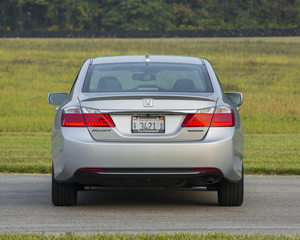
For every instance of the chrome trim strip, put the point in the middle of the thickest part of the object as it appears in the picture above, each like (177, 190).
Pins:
(149, 112)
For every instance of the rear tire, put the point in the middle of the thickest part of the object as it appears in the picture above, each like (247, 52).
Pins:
(63, 194)
(231, 194)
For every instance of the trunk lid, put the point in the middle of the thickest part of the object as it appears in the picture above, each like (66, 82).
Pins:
(147, 117)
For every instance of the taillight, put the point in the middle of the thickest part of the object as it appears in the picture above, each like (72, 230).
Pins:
(73, 117)
(197, 120)
(223, 117)
(98, 120)
(201, 118)
(94, 118)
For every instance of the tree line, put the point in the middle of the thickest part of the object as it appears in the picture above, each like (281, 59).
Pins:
(109, 15)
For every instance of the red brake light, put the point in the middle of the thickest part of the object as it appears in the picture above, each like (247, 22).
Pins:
(99, 120)
(223, 120)
(73, 117)
(223, 117)
(72, 120)
(197, 120)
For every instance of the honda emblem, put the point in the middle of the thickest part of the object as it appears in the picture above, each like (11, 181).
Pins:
(148, 102)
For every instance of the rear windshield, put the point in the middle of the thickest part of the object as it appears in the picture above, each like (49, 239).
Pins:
(154, 77)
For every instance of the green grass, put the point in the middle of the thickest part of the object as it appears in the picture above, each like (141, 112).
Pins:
(25, 153)
(272, 154)
(143, 236)
(265, 70)
(264, 154)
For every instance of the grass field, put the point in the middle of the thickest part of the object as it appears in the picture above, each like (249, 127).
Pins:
(144, 236)
(265, 70)
(264, 154)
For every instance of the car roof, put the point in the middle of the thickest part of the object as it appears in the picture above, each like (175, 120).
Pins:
(142, 58)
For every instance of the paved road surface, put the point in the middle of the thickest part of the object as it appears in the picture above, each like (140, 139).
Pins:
(272, 205)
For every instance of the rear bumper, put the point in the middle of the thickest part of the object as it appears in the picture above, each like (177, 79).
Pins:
(74, 148)
(150, 177)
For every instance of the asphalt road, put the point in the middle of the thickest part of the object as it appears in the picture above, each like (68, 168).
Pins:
(272, 205)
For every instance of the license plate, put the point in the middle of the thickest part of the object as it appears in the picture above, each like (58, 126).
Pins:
(147, 124)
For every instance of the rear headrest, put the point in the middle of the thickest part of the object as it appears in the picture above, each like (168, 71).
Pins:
(184, 84)
(109, 83)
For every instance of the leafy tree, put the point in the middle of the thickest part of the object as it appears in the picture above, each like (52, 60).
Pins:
(148, 14)
(136, 14)
(79, 14)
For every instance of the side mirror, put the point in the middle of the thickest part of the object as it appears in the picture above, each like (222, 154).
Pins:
(57, 98)
(235, 98)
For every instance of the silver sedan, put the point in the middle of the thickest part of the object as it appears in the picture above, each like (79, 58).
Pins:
(151, 121)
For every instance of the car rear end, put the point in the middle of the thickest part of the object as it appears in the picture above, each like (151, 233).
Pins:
(158, 121)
